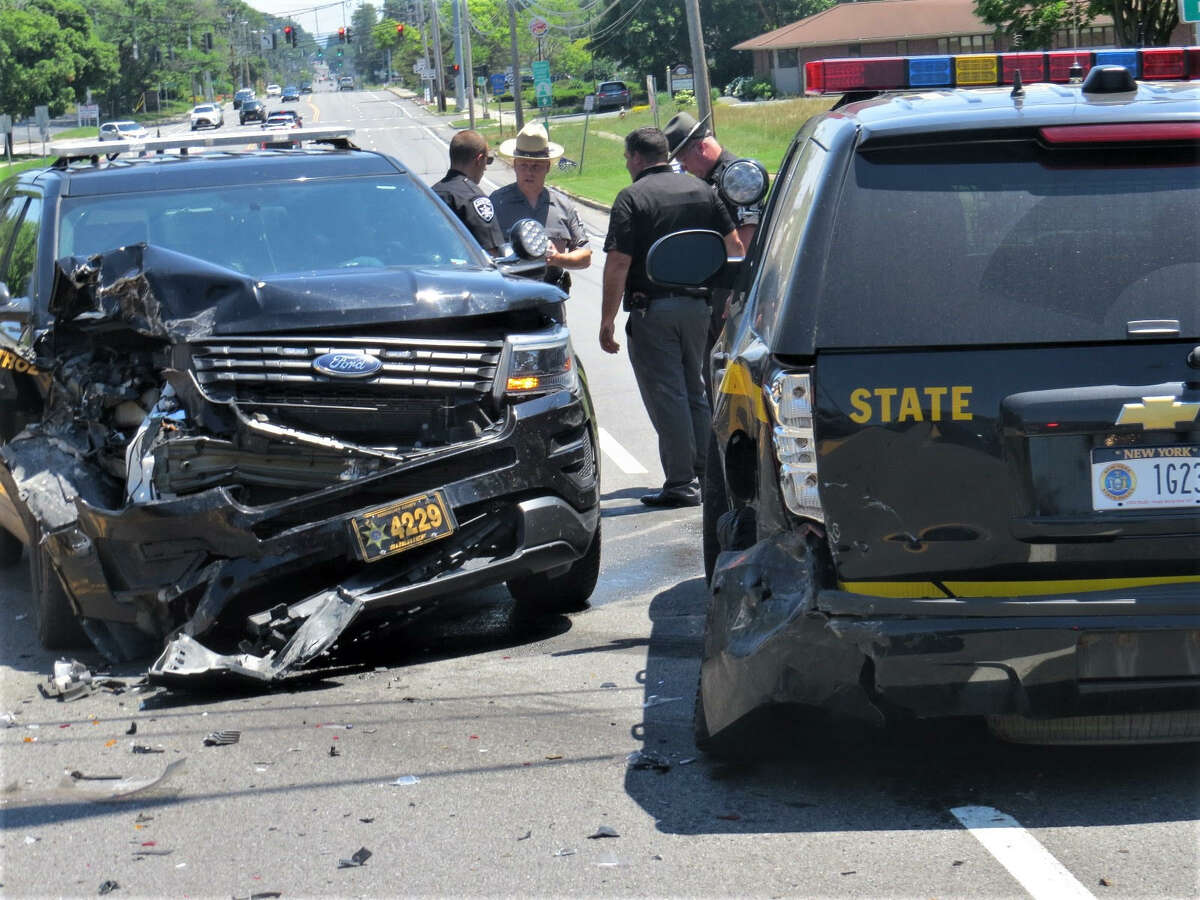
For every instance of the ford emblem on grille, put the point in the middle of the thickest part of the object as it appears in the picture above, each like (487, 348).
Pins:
(347, 365)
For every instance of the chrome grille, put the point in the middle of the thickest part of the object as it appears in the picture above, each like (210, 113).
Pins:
(274, 369)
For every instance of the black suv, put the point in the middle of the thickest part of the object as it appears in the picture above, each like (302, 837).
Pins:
(260, 395)
(252, 111)
(955, 467)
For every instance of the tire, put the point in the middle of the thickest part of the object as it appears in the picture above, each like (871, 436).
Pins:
(542, 594)
(714, 504)
(10, 549)
(57, 626)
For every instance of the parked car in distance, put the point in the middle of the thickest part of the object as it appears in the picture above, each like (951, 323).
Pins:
(291, 92)
(122, 131)
(306, 88)
(274, 90)
(346, 83)
(253, 111)
(612, 95)
(283, 118)
(242, 96)
(207, 115)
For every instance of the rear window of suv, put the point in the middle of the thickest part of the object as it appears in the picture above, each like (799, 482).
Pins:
(1009, 243)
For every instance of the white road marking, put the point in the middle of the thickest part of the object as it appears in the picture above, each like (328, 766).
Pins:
(1043, 876)
(487, 184)
(623, 458)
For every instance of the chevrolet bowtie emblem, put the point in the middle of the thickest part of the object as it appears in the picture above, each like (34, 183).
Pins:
(1157, 412)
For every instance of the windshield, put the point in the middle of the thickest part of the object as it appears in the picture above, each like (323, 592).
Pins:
(274, 229)
(1011, 243)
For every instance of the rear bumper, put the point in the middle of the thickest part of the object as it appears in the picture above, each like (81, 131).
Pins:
(776, 638)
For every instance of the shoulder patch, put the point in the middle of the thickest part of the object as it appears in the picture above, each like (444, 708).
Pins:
(483, 206)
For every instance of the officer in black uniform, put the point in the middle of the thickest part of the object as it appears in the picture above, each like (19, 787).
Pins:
(469, 158)
(666, 327)
(693, 146)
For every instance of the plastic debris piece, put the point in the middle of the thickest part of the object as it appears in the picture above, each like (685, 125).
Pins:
(79, 776)
(333, 751)
(688, 761)
(111, 743)
(142, 817)
(222, 738)
(1104, 882)
(132, 729)
(151, 851)
(31, 839)
(554, 756)
(655, 700)
(361, 855)
(8, 720)
(70, 681)
(526, 836)
(851, 872)
(604, 831)
(367, 821)
(115, 788)
(405, 780)
(65, 725)
(609, 686)
(564, 851)
(610, 861)
(107, 887)
(28, 740)
(142, 748)
(647, 759)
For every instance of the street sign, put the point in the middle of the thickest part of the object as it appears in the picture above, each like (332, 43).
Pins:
(499, 82)
(87, 112)
(589, 102)
(541, 83)
(1189, 10)
(5, 124)
(41, 115)
(538, 27)
(681, 78)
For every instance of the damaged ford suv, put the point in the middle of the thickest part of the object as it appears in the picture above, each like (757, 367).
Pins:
(251, 398)
(955, 467)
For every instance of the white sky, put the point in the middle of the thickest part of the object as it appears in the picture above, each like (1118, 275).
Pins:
(328, 18)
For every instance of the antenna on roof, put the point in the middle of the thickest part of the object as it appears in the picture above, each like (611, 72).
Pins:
(1018, 90)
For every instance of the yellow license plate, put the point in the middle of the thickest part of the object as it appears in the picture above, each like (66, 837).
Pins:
(401, 526)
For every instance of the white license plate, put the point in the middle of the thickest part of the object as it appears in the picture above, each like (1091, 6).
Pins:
(1146, 477)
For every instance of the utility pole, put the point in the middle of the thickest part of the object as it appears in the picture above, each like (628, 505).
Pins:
(439, 70)
(699, 65)
(459, 99)
(468, 64)
(516, 65)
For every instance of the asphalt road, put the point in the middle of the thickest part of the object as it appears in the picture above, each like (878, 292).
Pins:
(510, 742)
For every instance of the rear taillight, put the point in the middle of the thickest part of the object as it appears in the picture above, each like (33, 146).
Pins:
(789, 397)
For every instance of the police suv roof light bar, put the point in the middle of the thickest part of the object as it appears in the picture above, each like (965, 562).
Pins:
(85, 148)
(892, 73)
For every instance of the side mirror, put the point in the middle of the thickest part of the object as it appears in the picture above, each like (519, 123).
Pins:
(744, 182)
(529, 243)
(19, 310)
(688, 258)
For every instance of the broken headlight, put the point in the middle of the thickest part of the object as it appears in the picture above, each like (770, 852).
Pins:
(789, 397)
(537, 363)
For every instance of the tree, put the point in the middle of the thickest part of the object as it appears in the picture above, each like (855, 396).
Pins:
(49, 56)
(1036, 21)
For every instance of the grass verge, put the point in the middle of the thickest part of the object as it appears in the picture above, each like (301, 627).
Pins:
(760, 130)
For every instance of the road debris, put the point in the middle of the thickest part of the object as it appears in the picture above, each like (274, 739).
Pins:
(115, 788)
(564, 851)
(604, 831)
(648, 759)
(222, 738)
(526, 836)
(142, 748)
(361, 855)
(1104, 882)
(405, 780)
(609, 686)
(70, 681)
(107, 887)
(132, 729)
(333, 751)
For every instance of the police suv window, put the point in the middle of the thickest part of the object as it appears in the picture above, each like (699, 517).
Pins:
(788, 220)
(1011, 242)
(20, 220)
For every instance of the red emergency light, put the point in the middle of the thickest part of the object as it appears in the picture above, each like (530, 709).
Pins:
(888, 73)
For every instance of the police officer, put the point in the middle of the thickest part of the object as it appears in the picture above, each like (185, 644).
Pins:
(532, 152)
(693, 146)
(469, 158)
(666, 327)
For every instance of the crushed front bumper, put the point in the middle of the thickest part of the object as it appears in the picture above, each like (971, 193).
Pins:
(775, 637)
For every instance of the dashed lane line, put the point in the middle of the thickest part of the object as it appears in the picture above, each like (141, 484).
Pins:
(625, 460)
(1043, 876)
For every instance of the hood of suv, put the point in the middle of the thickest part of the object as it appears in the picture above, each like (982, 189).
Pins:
(165, 294)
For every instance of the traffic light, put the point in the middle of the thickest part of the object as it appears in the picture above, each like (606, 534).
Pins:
(348, 37)
(455, 68)
(341, 36)
(289, 35)
(339, 51)
(207, 41)
(399, 30)
(274, 41)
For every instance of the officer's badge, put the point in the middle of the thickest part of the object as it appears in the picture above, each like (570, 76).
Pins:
(483, 206)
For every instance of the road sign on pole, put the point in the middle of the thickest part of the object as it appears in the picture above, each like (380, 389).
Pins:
(541, 83)
(1189, 10)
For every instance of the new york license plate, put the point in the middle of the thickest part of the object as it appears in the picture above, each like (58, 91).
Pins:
(411, 522)
(1146, 477)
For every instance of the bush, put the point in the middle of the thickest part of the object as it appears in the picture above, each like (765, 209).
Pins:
(684, 99)
(760, 89)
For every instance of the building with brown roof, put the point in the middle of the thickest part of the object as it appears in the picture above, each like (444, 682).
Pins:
(894, 28)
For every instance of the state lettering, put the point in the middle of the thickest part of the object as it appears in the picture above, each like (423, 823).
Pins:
(933, 403)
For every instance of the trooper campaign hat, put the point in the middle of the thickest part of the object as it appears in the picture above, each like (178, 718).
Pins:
(681, 129)
(531, 142)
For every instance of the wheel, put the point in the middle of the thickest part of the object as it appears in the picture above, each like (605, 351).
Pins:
(57, 626)
(569, 592)
(714, 504)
